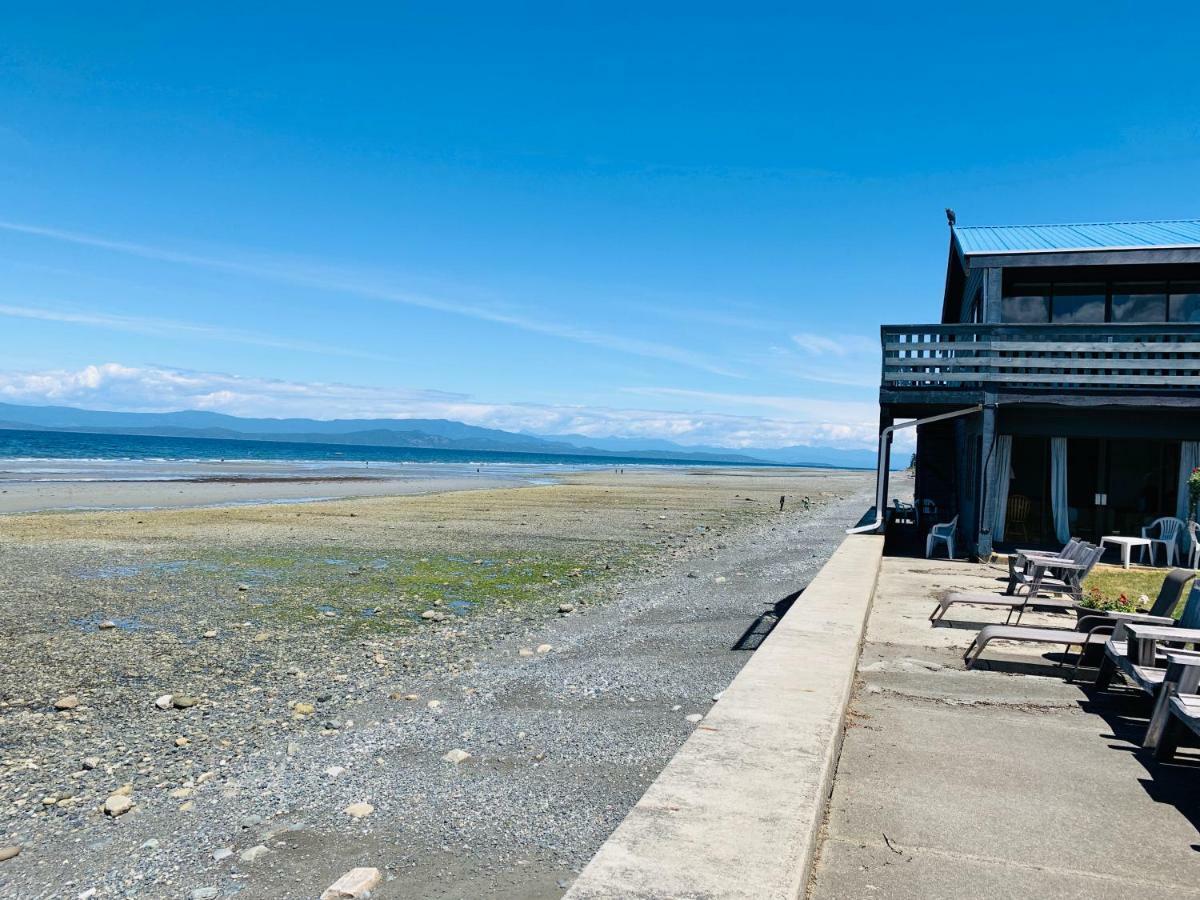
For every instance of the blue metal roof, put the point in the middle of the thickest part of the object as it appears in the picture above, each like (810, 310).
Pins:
(988, 239)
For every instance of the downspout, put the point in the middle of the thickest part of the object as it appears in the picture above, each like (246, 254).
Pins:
(884, 460)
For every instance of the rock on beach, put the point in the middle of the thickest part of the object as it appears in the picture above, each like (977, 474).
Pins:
(355, 884)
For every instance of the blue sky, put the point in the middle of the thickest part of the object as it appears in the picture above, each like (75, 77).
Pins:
(683, 221)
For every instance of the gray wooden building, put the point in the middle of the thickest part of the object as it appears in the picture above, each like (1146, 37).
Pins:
(1080, 346)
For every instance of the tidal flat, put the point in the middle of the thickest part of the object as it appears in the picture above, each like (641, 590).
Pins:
(245, 675)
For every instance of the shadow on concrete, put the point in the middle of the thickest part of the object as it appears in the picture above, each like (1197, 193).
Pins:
(1127, 714)
(765, 622)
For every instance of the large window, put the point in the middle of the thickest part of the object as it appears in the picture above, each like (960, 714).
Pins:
(1185, 301)
(1089, 295)
(1139, 302)
(1027, 303)
(1073, 304)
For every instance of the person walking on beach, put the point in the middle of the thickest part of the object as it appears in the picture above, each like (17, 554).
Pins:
(781, 499)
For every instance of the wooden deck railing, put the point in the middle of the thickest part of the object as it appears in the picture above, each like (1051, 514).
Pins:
(1153, 357)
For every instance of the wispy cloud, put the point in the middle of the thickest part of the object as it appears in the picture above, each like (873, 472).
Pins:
(150, 325)
(342, 281)
(158, 388)
(834, 344)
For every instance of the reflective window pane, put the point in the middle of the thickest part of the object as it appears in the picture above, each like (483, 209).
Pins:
(1139, 302)
(1025, 304)
(1078, 303)
(1185, 302)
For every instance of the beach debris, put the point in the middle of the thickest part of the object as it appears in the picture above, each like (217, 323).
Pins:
(355, 884)
(182, 701)
(434, 704)
(433, 615)
(303, 709)
(181, 742)
(694, 718)
(151, 844)
(205, 893)
(565, 608)
(544, 648)
(359, 810)
(456, 756)
(335, 771)
(525, 651)
(107, 625)
(693, 574)
(9, 853)
(242, 586)
(166, 701)
(70, 701)
(210, 634)
(254, 853)
(118, 804)
(222, 853)
(91, 762)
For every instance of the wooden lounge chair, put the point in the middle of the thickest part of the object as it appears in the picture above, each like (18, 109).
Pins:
(1091, 630)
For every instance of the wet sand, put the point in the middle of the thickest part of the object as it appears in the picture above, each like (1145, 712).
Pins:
(216, 491)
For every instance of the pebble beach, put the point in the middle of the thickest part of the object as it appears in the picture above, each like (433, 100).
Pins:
(465, 689)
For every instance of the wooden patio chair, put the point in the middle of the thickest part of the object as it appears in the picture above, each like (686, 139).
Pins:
(1017, 519)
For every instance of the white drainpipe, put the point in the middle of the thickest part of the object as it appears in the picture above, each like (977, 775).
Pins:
(884, 460)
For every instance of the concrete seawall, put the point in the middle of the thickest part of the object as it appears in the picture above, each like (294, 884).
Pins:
(736, 812)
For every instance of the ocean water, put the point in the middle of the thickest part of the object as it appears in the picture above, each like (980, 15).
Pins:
(75, 456)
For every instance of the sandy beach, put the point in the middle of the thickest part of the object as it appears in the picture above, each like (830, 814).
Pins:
(275, 693)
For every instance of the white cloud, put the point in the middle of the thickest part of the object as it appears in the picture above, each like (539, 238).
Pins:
(170, 327)
(114, 386)
(337, 280)
(835, 344)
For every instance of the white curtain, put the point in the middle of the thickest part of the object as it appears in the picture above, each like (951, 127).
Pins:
(1189, 458)
(1003, 469)
(1058, 489)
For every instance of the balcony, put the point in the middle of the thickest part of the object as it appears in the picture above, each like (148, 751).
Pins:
(951, 363)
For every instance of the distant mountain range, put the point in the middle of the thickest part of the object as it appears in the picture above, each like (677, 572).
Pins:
(426, 433)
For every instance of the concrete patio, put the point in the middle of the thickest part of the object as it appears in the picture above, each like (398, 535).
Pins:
(1005, 781)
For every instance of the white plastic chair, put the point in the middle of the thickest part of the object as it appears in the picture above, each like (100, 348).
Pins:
(1194, 555)
(943, 533)
(1169, 530)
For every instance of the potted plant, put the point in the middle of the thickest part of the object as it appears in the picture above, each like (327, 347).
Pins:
(1094, 602)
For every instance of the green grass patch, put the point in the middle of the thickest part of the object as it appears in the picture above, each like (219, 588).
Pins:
(371, 592)
(1133, 583)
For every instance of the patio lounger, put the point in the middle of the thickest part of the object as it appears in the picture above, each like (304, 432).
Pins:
(1090, 630)
(1014, 604)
